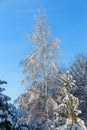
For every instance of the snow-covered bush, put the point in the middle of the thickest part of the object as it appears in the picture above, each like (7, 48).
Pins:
(32, 109)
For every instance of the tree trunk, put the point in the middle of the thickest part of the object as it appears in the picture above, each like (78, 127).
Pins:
(45, 82)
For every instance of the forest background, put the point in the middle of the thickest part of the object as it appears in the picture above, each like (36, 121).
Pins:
(68, 22)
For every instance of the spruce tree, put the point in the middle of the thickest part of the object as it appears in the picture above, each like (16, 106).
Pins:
(8, 112)
(78, 70)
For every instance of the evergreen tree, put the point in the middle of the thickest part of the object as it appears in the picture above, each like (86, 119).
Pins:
(8, 112)
(78, 70)
(67, 113)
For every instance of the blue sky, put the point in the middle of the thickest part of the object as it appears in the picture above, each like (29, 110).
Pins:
(66, 18)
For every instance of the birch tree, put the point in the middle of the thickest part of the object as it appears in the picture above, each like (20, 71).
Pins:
(42, 62)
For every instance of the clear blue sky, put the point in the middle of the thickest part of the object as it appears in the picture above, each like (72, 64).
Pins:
(68, 22)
